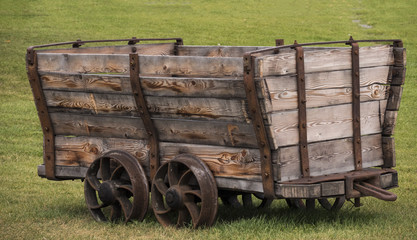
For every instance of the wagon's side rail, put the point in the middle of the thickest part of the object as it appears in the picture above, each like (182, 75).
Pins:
(398, 76)
(40, 100)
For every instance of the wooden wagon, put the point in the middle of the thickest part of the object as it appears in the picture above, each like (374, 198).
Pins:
(190, 124)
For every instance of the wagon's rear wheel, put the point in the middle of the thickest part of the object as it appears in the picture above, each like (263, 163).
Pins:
(116, 188)
(332, 204)
(231, 199)
(184, 192)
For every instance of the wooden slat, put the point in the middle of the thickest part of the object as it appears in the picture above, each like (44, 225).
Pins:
(388, 147)
(324, 60)
(286, 99)
(149, 65)
(215, 51)
(390, 121)
(220, 133)
(298, 190)
(238, 163)
(326, 123)
(144, 49)
(166, 107)
(329, 157)
(394, 98)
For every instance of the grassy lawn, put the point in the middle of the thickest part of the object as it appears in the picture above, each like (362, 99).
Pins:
(34, 208)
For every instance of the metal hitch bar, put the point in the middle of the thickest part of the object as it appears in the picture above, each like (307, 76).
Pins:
(367, 184)
(368, 189)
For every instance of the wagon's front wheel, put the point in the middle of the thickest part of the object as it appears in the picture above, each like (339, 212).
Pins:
(116, 188)
(331, 204)
(184, 192)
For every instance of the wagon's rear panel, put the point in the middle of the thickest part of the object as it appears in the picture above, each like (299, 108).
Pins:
(328, 95)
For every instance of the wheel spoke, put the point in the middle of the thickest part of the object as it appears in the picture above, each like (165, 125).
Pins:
(126, 206)
(182, 217)
(116, 212)
(194, 211)
(96, 206)
(173, 174)
(162, 212)
(196, 193)
(126, 187)
(105, 168)
(161, 186)
(117, 172)
(93, 182)
(185, 177)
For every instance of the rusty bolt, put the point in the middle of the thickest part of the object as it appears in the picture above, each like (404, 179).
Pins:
(134, 49)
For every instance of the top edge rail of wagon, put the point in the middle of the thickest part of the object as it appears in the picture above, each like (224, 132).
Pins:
(396, 42)
(131, 41)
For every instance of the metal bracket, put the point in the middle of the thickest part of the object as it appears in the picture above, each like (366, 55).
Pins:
(258, 125)
(44, 117)
(367, 184)
(144, 113)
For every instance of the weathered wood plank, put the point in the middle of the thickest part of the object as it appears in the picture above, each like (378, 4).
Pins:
(149, 65)
(234, 110)
(326, 123)
(400, 56)
(390, 121)
(332, 188)
(152, 86)
(324, 60)
(398, 75)
(329, 157)
(298, 190)
(224, 162)
(82, 151)
(388, 148)
(394, 98)
(219, 133)
(286, 99)
(240, 185)
(216, 51)
(241, 163)
(143, 49)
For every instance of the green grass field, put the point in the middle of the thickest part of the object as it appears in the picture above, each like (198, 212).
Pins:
(35, 208)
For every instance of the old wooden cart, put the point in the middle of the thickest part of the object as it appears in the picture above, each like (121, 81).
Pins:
(300, 122)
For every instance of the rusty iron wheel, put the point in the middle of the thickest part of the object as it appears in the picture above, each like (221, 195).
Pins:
(332, 204)
(116, 188)
(298, 203)
(184, 193)
(231, 199)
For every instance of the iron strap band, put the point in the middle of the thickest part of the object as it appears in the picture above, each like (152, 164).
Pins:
(144, 113)
(302, 112)
(44, 117)
(259, 126)
(356, 111)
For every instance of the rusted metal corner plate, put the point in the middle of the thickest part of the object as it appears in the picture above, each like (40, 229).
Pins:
(302, 112)
(43, 114)
(259, 126)
(144, 113)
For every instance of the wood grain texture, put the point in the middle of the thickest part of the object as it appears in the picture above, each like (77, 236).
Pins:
(298, 190)
(329, 157)
(144, 49)
(216, 51)
(389, 123)
(326, 123)
(233, 110)
(394, 99)
(149, 65)
(324, 60)
(219, 133)
(388, 147)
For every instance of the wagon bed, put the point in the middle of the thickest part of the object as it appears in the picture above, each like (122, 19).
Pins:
(297, 121)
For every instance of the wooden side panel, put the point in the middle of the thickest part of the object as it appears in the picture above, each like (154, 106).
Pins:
(233, 110)
(326, 123)
(321, 61)
(219, 133)
(329, 157)
(143, 49)
(215, 51)
(238, 163)
(324, 88)
(149, 65)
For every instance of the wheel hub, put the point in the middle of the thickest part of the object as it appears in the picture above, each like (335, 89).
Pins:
(107, 192)
(173, 198)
